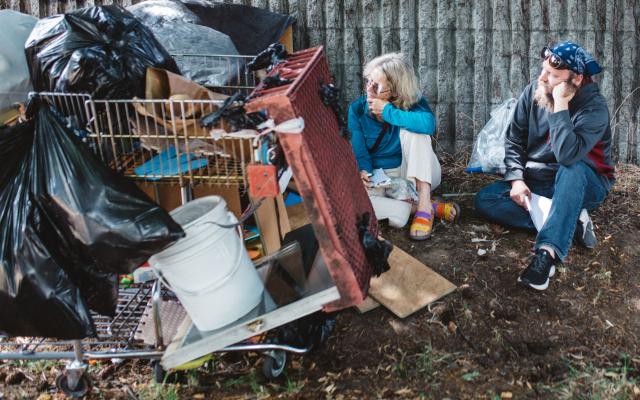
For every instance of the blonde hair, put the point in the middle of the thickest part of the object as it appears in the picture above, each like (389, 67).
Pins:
(400, 75)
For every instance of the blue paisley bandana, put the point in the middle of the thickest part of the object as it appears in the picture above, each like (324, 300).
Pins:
(577, 58)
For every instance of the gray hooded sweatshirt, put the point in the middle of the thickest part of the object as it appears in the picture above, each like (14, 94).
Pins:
(538, 141)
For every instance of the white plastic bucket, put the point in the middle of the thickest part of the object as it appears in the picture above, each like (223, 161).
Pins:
(209, 269)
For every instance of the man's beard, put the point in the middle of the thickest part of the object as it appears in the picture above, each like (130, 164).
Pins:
(543, 98)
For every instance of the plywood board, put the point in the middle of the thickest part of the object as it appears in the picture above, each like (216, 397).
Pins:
(297, 216)
(169, 196)
(367, 305)
(409, 285)
(265, 217)
(230, 193)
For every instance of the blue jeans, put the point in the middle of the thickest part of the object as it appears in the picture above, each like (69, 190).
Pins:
(576, 187)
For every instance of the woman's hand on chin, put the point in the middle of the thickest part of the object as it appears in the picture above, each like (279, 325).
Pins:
(376, 106)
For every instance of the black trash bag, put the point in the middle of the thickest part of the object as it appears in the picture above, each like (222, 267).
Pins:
(251, 29)
(310, 332)
(376, 250)
(102, 51)
(99, 289)
(37, 298)
(106, 221)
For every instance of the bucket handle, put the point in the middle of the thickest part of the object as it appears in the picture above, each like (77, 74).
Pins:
(237, 224)
(212, 285)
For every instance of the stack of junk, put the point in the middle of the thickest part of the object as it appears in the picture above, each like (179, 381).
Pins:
(125, 122)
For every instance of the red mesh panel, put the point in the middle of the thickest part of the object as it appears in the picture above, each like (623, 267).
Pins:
(325, 170)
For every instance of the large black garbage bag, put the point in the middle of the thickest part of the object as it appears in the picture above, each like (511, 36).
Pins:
(105, 220)
(252, 29)
(98, 288)
(102, 51)
(37, 297)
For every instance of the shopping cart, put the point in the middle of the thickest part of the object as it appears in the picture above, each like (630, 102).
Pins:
(127, 140)
(158, 141)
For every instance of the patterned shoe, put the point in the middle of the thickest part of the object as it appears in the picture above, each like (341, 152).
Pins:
(421, 226)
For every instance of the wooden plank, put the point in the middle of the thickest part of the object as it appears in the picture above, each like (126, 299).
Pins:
(409, 285)
(297, 216)
(169, 196)
(267, 223)
(367, 305)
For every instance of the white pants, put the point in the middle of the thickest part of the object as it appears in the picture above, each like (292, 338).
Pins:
(419, 162)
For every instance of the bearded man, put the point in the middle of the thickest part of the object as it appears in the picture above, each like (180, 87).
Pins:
(558, 146)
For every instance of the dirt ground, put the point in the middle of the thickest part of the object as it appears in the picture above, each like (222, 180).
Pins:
(490, 339)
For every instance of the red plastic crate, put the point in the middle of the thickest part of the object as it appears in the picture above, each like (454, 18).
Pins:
(324, 169)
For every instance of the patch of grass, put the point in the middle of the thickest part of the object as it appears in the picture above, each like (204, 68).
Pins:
(40, 366)
(603, 275)
(293, 386)
(239, 381)
(193, 379)
(259, 390)
(590, 382)
(425, 360)
(156, 391)
(471, 376)
(400, 368)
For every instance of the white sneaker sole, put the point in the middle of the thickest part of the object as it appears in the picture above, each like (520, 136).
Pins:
(543, 286)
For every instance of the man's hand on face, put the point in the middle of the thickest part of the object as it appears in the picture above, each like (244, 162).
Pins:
(562, 94)
(519, 190)
(376, 106)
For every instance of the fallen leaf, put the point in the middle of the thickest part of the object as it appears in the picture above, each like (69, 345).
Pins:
(471, 376)
(403, 391)
(452, 327)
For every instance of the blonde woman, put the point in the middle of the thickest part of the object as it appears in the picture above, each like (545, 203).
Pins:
(391, 127)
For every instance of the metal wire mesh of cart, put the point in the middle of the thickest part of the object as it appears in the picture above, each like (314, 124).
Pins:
(230, 69)
(114, 334)
(162, 140)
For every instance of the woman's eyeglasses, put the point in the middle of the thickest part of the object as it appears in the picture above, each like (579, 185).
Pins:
(377, 88)
(554, 60)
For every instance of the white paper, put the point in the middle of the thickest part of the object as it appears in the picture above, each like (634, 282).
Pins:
(285, 178)
(379, 178)
(539, 208)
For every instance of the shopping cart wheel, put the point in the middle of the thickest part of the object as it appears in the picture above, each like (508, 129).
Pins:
(82, 388)
(158, 372)
(273, 364)
(160, 375)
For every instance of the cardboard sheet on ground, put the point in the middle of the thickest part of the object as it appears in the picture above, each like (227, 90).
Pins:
(409, 285)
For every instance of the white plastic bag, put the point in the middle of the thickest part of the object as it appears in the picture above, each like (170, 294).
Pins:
(401, 189)
(488, 150)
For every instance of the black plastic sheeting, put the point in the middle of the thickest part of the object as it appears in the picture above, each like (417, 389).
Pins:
(102, 51)
(312, 331)
(251, 29)
(376, 250)
(68, 226)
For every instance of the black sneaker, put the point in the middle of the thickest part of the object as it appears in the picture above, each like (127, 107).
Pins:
(584, 234)
(540, 269)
